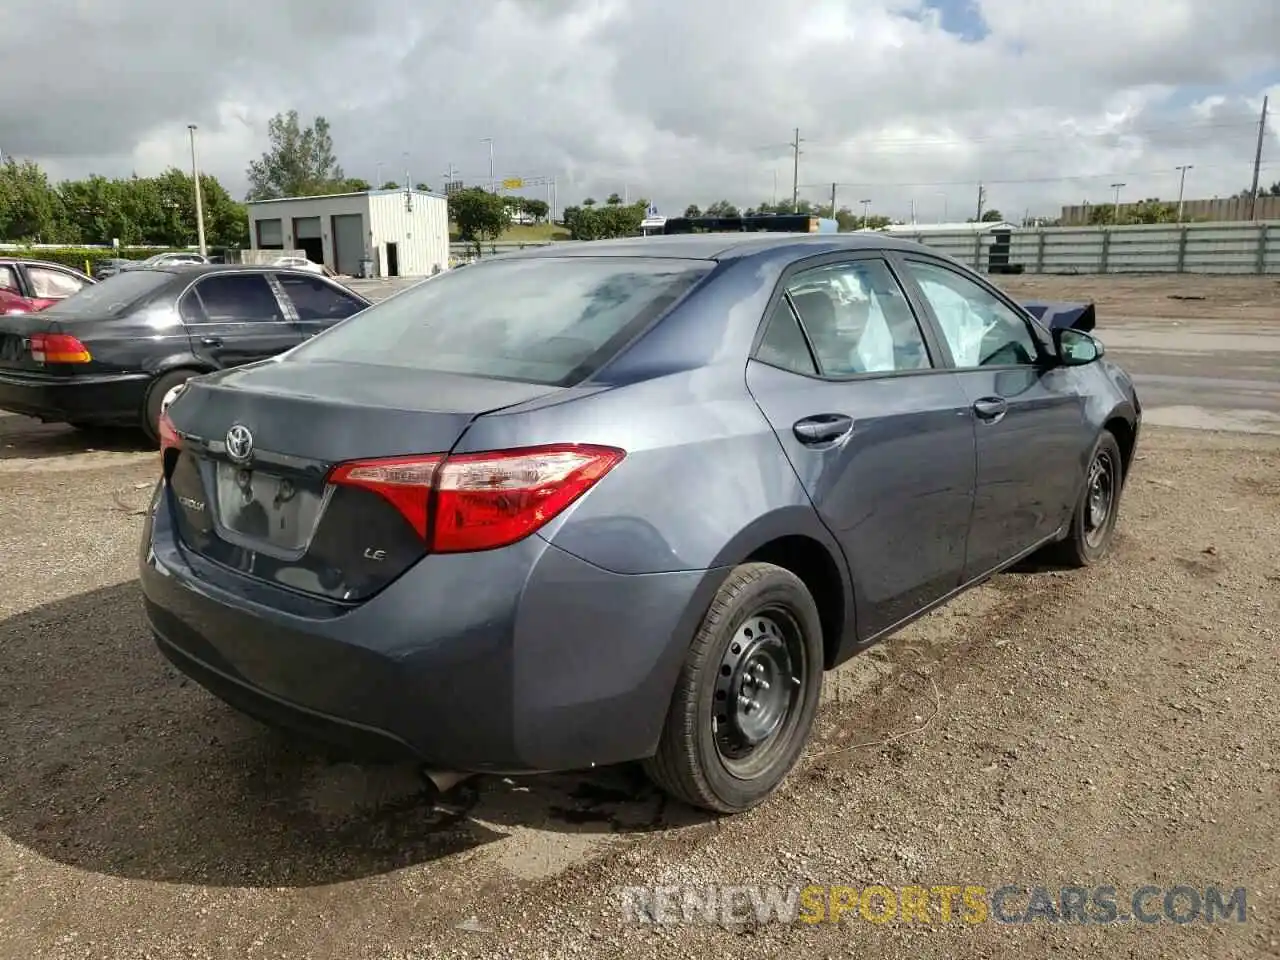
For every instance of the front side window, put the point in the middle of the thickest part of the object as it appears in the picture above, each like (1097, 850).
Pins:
(314, 299)
(8, 279)
(980, 330)
(551, 320)
(858, 319)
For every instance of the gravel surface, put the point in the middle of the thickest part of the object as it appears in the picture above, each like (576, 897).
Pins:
(1109, 726)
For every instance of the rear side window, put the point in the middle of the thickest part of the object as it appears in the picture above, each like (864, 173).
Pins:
(237, 297)
(544, 320)
(112, 296)
(314, 299)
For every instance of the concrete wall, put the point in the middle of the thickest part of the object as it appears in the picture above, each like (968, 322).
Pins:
(1229, 208)
(421, 236)
(1221, 248)
(286, 211)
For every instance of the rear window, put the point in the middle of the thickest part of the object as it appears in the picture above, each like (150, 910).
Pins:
(543, 320)
(112, 296)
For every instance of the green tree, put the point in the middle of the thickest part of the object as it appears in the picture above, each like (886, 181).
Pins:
(390, 185)
(992, 216)
(590, 222)
(693, 210)
(479, 215)
(538, 209)
(356, 185)
(722, 208)
(298, 162)
(30, 209)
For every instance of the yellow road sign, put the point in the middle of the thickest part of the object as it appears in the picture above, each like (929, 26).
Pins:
(515, 183)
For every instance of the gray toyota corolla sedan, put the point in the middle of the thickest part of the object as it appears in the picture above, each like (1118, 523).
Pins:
(625, 500)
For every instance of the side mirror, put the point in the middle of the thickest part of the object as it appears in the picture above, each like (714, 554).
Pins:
(1076, 348)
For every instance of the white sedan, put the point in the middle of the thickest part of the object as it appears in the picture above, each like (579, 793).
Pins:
(299, 263)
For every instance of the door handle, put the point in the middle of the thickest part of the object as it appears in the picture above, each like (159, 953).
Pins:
(991, 409)
(823, 428)
(211, 341)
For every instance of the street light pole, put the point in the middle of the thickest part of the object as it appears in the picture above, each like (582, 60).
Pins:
(1115, 210)
(866, 214)
(1182, 182)
(195, 178)
(493, 186)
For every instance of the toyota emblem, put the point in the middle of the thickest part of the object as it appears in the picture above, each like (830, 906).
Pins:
(239, 443)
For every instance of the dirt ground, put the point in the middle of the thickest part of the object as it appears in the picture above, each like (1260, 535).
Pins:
(1110, 726)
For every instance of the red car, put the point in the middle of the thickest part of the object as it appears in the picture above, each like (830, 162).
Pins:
(30, 285)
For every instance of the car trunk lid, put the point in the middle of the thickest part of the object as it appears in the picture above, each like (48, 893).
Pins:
(250, 479)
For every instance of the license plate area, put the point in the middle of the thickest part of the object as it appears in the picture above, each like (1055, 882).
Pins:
(266, 511)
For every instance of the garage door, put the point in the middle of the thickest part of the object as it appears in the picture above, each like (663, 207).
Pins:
(348, 243)
(270, 236)
(306, 228)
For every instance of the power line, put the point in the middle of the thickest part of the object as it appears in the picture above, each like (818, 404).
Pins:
(948, 140)
(1063, 178)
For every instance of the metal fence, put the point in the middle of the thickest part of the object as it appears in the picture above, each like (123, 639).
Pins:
(1225, 248)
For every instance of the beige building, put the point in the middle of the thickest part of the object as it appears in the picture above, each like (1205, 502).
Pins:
(403, 233)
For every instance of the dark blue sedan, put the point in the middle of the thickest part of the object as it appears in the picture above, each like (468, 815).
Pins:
(626, 500)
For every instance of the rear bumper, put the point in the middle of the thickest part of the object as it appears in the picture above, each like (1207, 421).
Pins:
(516, 660)
(97, 399)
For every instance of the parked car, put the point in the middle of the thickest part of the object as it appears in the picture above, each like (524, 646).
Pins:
(110, 267)
(624, 501)
(110, 354)
(30, 285)
(300, 263)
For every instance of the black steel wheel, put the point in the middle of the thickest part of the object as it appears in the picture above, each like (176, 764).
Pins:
(747, 695)
(1093, 523)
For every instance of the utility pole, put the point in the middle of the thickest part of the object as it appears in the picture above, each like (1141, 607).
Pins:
(1182, 183)
(195, 178)
(1115, 210)
(913, 211)
(775, 187)
(1257, 160)
(493, 184)
(982, 200)
(866, 214)
(795, 173)
(833, 201)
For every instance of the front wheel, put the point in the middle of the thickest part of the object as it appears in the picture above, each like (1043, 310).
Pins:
(1093, 522)
(747, 695)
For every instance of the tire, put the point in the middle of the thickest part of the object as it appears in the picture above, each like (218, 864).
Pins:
(1087, 540)
(160, 386)
(762, 614)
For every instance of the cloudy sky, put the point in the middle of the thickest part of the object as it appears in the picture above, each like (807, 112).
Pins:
(1046, 101)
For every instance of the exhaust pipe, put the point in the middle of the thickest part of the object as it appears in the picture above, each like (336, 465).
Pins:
(445, 780)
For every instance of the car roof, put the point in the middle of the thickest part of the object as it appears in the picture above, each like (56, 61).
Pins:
(721, 246)
(38, 261)
(199, 269)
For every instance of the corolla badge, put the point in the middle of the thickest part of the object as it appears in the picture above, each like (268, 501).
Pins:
(239, 443)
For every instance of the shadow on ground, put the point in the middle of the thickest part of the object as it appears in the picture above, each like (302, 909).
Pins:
(112, 762)
(24, 438)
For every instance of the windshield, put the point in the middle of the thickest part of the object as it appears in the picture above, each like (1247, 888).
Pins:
(544, 320)
(111, 296)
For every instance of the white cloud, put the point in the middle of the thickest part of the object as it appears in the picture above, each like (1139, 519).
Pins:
(677, 100)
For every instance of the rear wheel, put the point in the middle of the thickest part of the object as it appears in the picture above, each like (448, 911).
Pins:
(747, 695)
(1094, 521)
(160, 387)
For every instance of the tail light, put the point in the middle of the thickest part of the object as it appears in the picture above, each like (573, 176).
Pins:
(479, 501)
(58, 348)
(170, 439)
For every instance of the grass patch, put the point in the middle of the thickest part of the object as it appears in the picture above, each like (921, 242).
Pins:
(527, 232)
